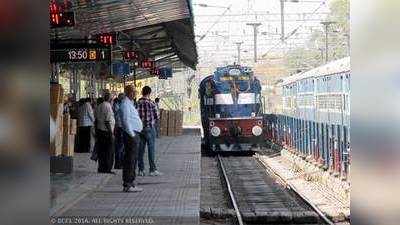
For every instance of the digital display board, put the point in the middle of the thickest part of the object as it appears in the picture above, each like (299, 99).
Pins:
(131, 55)
(62, 19)
(107, 39)
(147, 64)
(60, 16)
(79, 53)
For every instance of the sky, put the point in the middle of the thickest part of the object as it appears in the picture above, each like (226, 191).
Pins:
(218, 46)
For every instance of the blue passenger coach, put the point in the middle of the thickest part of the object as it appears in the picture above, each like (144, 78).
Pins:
(315, 121)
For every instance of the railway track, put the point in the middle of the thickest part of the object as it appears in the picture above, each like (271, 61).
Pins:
(258, 198)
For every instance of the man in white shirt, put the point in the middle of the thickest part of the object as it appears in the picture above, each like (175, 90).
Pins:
(85, 124)
(105, 135)
(132, 126)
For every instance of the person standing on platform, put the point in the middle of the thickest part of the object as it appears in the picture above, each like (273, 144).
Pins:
(157, 102)
(85, 124)
(132, 126)
(148, 114)
(105, 135)
(119, 135)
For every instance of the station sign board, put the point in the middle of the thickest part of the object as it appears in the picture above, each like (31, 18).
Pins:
(120, 68)
(165, 72)
(79, 53)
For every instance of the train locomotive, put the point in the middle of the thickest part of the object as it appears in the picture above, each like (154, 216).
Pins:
(231, 110)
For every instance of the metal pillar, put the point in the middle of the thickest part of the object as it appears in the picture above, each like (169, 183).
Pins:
(134, 76)
(282, 20)
(255, 26)
(238, 48)
(326, 25)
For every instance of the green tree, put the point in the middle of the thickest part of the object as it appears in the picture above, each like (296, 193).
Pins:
(312, 54)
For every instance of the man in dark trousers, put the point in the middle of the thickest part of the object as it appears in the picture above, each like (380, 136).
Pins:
(105, 135)
(132, 126)
(118, 133)
(148, 113)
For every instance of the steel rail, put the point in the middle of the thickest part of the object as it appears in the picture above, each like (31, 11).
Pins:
(294, 189)
(235, 206)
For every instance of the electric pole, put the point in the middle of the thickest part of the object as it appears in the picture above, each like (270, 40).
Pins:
(255, 30)
(326, 25)
(282, 20)
(238, 48)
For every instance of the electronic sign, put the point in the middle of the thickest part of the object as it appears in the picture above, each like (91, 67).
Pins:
(59, 17)
(147, 64)
(107, 39)
(62, 19)
(131, 55)
(79, 53)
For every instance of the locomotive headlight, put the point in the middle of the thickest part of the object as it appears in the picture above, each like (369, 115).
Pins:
(256, 130)
(215, 131)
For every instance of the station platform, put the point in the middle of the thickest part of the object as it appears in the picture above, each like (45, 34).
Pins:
(173, 198)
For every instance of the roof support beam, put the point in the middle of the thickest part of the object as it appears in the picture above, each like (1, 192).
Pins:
(168, 51)
(151, 32)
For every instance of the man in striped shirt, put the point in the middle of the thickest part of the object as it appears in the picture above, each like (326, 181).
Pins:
(148, 113)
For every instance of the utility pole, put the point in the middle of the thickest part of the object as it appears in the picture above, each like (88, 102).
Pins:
(326, 25)
(238, 48)
(322, 55)
(282, 20)
(255, 30)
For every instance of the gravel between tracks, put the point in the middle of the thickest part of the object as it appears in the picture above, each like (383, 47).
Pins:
(316, 193)
(215, 208)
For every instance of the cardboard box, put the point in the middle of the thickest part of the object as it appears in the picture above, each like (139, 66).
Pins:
(56, 111)
(68, 145)
(57, 144)
(73, 126)
(66, 123)
(164, 122)
(178, 122)
(171, 123)
(56, 93)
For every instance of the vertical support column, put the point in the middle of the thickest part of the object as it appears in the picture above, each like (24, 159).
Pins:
(332, 149)
(346, 153)
(282, 20)
(55, 73)
(310, 139)
(339, 149)
(326, 156)
(323, 148)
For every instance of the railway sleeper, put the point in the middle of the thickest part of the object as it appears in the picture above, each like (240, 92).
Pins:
(280, 217)
(217, 213)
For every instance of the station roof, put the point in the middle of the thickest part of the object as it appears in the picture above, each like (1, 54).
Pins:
(162, 29)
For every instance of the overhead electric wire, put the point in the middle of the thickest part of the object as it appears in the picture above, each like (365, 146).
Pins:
(293, 31)
(222, 15)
